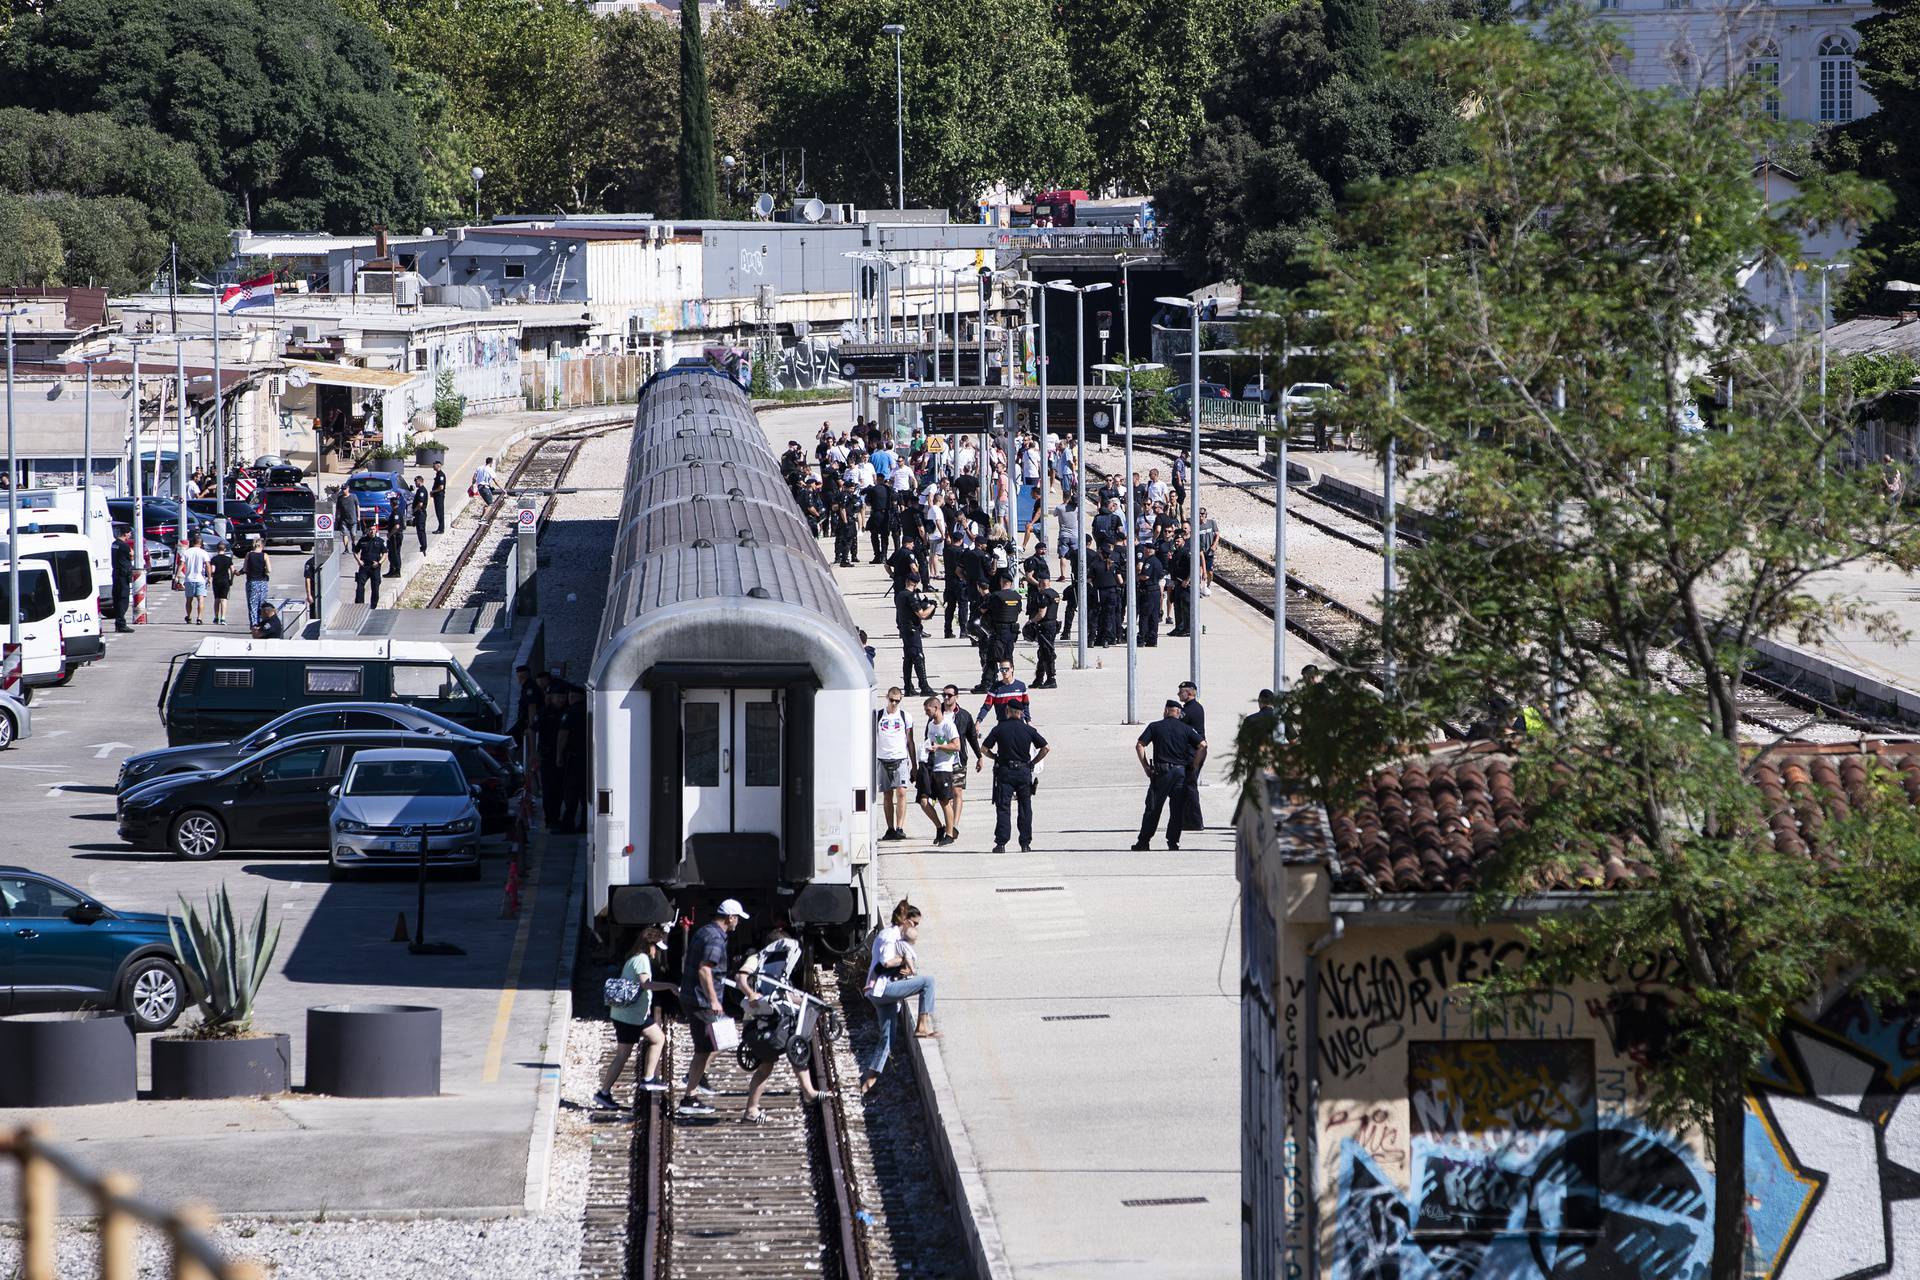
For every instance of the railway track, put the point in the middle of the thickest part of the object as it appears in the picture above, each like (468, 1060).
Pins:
(699, 1197)
(478, 573)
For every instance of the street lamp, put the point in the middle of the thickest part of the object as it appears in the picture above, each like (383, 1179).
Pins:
(1193, 306)
(138, 598)
(896, 30)
(13, 503)
(86, 446)
(1081, 522)
(478, 173)
(1133, 635)
(1034, 288)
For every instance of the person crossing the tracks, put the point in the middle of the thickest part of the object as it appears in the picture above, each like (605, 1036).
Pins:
(637, 1021)
(893, 978)
(485, 482)
(1194, 716)
(368, 554)
(703, 972)
(1177, 750)
(893, 752)
(439, 497)
(1016, 749)
(767, 980)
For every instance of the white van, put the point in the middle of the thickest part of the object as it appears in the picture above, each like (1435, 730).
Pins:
(43, 654)
(76, 582)
(63, 511)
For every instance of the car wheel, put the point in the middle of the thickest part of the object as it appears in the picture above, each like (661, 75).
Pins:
(306, 546)
(153, 993)
(196, 835)
(7, 730)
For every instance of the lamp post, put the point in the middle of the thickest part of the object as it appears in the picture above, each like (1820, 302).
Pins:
(86, 447)
(477, 173)
(1133, 635)
(138, 600)
(13, 502)
(896, 30)
(1193, 306)
(1035, 289)
(1080, 293)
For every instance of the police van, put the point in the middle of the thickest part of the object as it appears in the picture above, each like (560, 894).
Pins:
(77, 586)
(65, 511)
(42, 652)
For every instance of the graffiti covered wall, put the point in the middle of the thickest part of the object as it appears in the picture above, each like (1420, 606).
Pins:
(1454, 1144)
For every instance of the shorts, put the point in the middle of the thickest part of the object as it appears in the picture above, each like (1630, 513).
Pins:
(1067, 548)
(193, 588)
(959, 776)
(701, 1029)
(939, 785)
(629, 1032)
(893, 775)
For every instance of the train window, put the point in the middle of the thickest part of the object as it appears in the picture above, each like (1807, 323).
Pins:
(701, 722)
(763, 744)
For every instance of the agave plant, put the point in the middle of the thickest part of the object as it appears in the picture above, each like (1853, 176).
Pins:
(225, 961)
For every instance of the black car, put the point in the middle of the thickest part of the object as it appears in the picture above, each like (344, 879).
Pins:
(62, 950)
(245, 522)
(332, 717)
(277, 799)
(162, 520)
(286, 515)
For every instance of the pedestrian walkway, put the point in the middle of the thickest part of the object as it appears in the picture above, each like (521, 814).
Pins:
(1089, 1014)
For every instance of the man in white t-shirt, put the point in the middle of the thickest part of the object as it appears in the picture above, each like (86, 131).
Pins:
(861, 472)
(893, 750)
(943, 756)
(194, 568)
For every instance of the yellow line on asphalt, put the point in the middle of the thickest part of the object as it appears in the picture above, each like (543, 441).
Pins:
(503, 1015)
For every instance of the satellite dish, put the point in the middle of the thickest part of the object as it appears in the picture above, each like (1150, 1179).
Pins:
(814, 210)
(297, 378)
(763, 205)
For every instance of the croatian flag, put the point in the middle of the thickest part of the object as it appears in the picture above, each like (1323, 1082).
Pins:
(248, 295)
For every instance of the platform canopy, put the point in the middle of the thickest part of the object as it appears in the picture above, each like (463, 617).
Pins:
(1056, 394)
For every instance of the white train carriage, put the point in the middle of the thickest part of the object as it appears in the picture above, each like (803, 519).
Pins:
(733, 754)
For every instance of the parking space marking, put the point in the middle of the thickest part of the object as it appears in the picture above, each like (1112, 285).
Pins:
(104, 749)
(503, 1012)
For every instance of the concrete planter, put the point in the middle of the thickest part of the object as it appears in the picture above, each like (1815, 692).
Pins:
(428, 457)
(388, 466)
(67, 1059)
(241, 1068)
(373, 1050)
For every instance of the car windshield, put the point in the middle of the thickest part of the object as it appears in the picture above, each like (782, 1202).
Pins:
(405, 778)
(289, 500)
(368, 484)
(36, 594)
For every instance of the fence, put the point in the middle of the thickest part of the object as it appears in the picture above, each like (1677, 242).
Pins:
(120, 1219)
(567, 384)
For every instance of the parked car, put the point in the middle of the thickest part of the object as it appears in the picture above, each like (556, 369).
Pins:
(277, 799)
(43, 647)
(333, 717)
(70, 558)
(1180, 391)
(225, 689)
(1258, 394)
(159, 554)
(373, 490)
(394, 798)
(62, 950)
(287, 515)
(1308, 398)
(245, 521)
(162, 519)
(16, 720)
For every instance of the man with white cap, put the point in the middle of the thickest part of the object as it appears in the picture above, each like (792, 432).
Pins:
(701, 975)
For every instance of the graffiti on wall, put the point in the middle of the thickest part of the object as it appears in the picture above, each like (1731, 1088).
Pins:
(810, 362)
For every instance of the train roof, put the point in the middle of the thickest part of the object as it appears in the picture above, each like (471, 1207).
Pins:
(707, 518)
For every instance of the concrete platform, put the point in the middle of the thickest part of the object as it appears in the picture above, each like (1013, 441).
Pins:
(1088, 995)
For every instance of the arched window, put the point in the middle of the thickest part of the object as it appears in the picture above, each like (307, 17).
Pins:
(1763, 68)
(1836, 80)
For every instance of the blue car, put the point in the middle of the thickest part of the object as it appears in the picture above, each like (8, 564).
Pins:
(373, 490)
(62, 950)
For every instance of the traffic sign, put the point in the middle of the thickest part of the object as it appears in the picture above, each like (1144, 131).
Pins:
(526, 517)
(936, 444)
(323, 524)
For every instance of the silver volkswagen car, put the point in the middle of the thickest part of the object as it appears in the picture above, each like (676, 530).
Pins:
(390, 799)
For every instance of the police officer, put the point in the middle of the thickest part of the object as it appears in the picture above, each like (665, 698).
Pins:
(1180, 576)
(1043, 609)
(123, 582)
(911, 607)
(1109, 527)
(368, 552)
(396, 530)
(549, 726)
(1147, 579)
(1015, 747)
(1177, 752)
(1003, 624)
(846, 533)
(1107, 593)
(879, 498)
(419, 505)
(1195, 717)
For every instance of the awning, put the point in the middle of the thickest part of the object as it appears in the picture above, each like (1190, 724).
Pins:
(990, 394)
(343, 375)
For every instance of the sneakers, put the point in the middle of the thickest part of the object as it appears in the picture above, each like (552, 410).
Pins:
(604, 1100)
(894, 833)
(694, 1107)
(702, 1091)
(654, 1085)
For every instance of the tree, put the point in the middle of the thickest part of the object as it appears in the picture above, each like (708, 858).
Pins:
(697, 195)
(31, 252)
(1543, 312)
(290, 107)
(1885, 146)
(1292, 131)
(989, 97)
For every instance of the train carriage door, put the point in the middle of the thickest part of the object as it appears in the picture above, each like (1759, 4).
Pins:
(731, 756)
(757, 776)
(706, 803)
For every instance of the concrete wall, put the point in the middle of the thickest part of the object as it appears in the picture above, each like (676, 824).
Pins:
(1398, 1133)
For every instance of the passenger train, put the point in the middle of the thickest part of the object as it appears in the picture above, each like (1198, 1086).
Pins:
(731, 696)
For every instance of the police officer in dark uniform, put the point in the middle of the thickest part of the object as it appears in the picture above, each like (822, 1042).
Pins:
(1178, 752)
(879, 519)
(1015, 747)
(1043, 609)
(1109, 527)
(1003, 621)
(123, 582)
(846, 542)
(367, 554)
(903, 566)
(1147, 579)
(575, 748)
(1180, 570)
(547, 727)
(911, 608)
(396, 530)
(1195, 717)
(1104, 584)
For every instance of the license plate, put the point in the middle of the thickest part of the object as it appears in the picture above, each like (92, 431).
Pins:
(287, 519)
(401, 844)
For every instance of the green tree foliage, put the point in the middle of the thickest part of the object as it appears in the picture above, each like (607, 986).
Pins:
(989, 98)
(1144, 67)
(1885, 146)
(1290, 134)
(698, 190)
(1353, 34)
(31, 251)
(116, 194)
(1540, 313)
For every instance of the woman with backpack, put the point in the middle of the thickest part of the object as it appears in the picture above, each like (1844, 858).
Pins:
(630, 999)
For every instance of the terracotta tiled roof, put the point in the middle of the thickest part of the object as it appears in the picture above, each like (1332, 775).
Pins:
(1427, 824)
